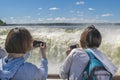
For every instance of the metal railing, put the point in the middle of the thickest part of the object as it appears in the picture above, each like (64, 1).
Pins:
(56, 76)
(53, 76)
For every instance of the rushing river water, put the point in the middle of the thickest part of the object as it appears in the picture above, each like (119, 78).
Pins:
(58, 38)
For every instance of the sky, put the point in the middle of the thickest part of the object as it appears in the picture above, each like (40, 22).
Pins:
(51, 11)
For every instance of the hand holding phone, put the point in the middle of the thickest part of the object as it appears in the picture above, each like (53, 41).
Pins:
(37, 43)
(71, 47)
(74, 46)
(42, 46)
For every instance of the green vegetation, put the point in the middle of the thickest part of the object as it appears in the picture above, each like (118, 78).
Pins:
(2, 23)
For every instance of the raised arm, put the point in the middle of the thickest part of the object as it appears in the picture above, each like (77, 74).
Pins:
(44, 62)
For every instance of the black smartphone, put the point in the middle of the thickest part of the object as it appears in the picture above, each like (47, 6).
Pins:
(37, 43)
(73, 46)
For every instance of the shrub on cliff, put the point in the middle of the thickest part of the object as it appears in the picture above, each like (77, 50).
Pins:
(2, 23)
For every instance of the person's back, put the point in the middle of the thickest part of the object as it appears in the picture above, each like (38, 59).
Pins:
(14, 67)
(28, 71)
(95, 69)
(74, 64)
(90, 39)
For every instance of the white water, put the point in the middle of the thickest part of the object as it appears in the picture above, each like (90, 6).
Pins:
(58, 40)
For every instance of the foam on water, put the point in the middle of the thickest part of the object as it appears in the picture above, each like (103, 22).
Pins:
(58, 40)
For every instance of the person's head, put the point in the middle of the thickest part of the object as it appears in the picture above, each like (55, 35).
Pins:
(19, 40)
(90, 37)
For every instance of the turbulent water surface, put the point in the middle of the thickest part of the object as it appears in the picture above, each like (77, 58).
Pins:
(58, 38)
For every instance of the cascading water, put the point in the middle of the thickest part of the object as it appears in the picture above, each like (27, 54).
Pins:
(58, 39)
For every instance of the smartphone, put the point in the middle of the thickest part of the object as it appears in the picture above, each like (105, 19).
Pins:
(37, 43)
(73, 46)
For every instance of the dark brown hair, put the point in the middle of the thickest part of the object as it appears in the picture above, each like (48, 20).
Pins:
(18, 41)
(90, 37)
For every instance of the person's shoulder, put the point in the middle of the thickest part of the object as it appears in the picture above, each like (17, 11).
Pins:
(78, 50)
(27, 70)
(80, 53)
(28, 65)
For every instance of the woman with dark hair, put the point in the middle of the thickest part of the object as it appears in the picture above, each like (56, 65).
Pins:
(78, 59)
(18, 44)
